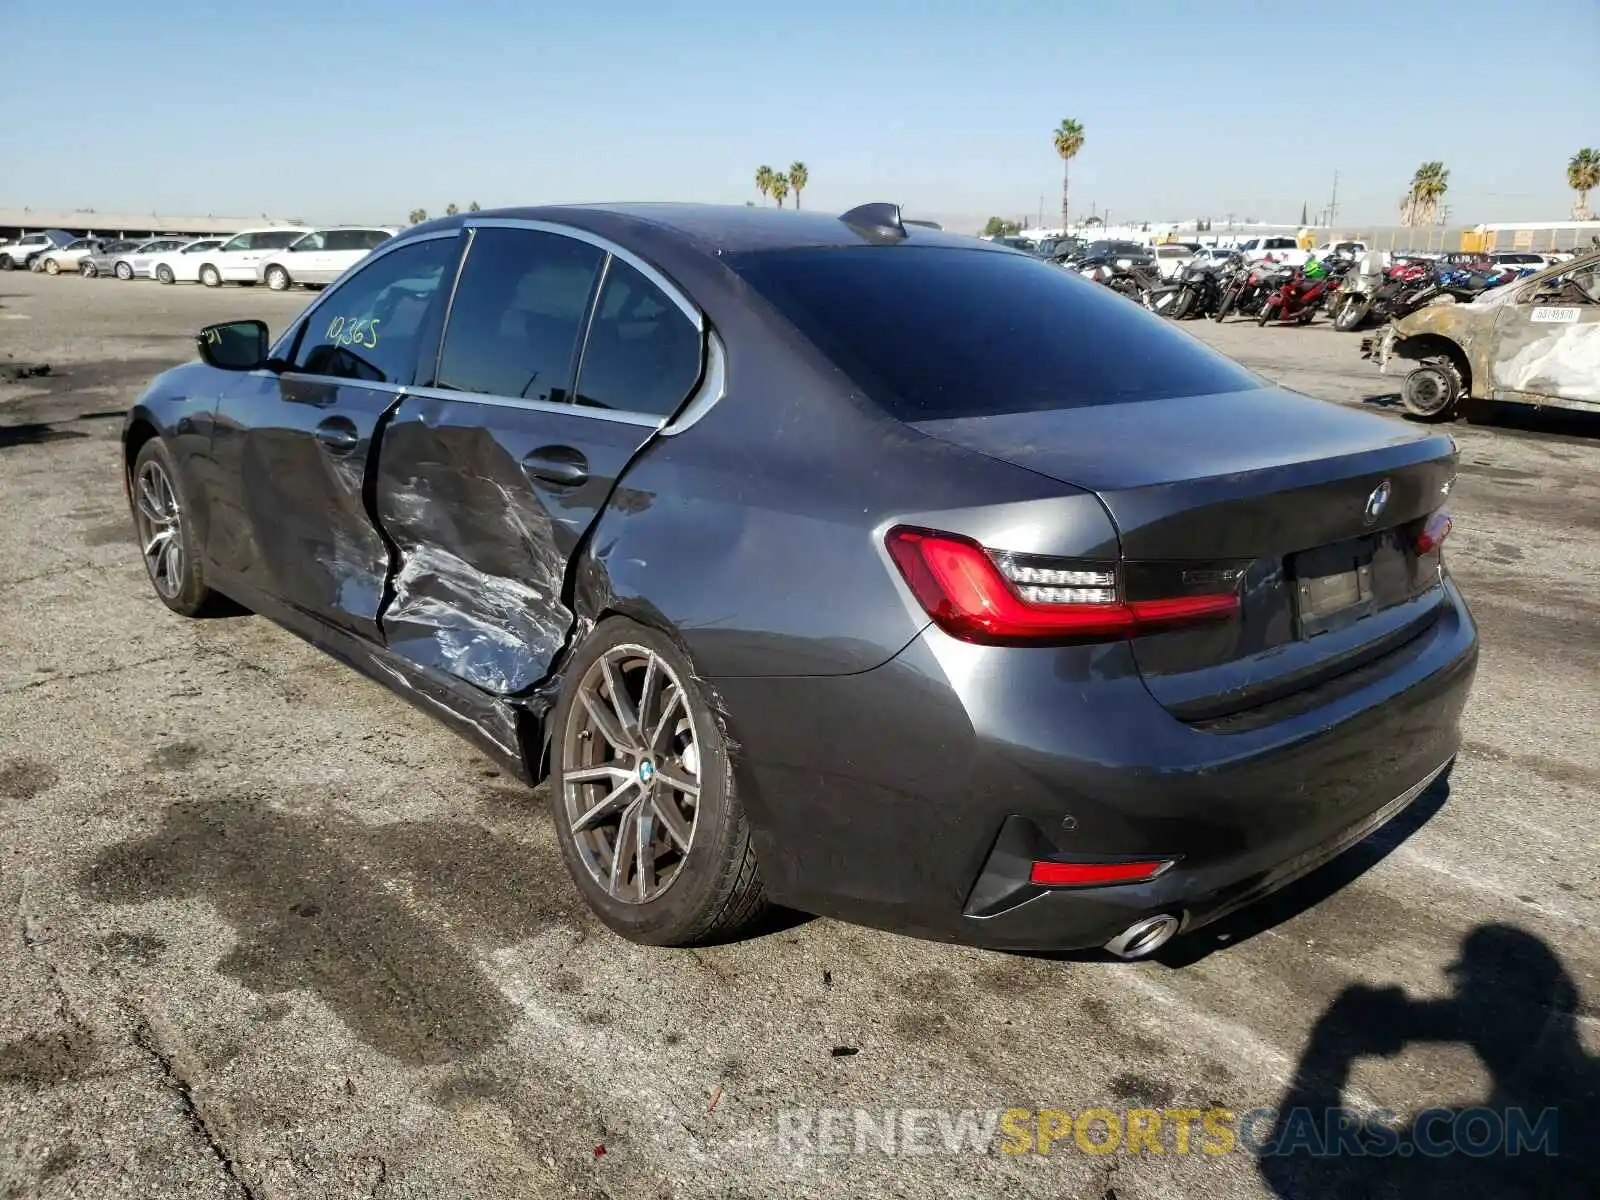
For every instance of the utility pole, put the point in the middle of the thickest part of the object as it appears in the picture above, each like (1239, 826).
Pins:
(1040, 225)
(1333, 202)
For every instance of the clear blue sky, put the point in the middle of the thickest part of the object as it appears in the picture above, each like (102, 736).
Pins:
(360, 110)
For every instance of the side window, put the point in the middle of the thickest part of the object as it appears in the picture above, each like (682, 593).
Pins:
(368, 328)
(313, 241)
(339, 239)
(643, 354)
(517, 314)
(243, 242)
(373, 238)
(277, 239)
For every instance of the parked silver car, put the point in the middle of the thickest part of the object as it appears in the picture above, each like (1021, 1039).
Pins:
(140, 262)
(104, 260)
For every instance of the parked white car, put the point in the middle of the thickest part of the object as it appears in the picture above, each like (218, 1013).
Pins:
(20, 254)
(1279, 249)
(183, 264)
(321, 256)
(1171, 259)
(238, 260)
(54, 262)
(1350, 250)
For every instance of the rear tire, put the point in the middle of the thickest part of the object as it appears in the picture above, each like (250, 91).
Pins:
(278, 279)
(1269, 310)
(210, 276)
(1432, 392)
(7, 263)
(1225, 305)
(87, 269)
(52, 267)
(124, 271)
(714, 889)
(164, 274)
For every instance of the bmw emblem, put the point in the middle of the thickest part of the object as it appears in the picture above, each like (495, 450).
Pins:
(647, 772)
(1378, 501)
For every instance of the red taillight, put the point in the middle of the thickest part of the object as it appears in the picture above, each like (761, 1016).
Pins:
(1434, 532)
(958, 584)
(1067, 874)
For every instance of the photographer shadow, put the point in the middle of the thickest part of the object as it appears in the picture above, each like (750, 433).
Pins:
(1516, 1006)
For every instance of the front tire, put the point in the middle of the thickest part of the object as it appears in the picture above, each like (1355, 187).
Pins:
(52, 267)
(124, 271)
(1352, 313)
(1432, 392)
(166, 536)
(210, 276)
(164, 274)
(643, 797)
(278, 279)
(1269, 310)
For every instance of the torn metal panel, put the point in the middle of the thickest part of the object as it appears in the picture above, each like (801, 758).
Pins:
(482, 543)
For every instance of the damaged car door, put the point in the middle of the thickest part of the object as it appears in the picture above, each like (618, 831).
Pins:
(560, 359)
(1547, 341)
(296, 442)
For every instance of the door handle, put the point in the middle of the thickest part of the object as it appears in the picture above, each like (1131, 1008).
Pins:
(338, 435)
(556, 464)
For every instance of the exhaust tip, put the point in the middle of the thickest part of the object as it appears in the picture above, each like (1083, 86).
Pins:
(1144, 937)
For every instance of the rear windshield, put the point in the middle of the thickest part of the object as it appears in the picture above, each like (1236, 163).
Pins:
(933, 333)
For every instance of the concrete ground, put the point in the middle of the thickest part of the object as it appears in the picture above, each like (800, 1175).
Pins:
(270, 932)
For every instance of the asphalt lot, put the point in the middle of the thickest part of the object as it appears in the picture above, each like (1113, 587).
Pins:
(273, 933)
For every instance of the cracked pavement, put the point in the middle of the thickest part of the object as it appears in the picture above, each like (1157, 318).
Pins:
(274, 933)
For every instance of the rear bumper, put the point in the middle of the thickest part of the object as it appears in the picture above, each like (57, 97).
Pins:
(915, 796)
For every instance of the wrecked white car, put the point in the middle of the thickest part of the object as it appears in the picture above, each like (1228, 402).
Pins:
(1536, 341)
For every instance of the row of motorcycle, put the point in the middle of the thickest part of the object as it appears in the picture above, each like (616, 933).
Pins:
(1277, 293)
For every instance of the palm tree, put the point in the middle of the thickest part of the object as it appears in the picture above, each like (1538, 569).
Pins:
(474, 207)
(1069, 140)
(450, 209)
(798, 178)
(780, 188)
(1421, 202)
(1583, 176)
(418, 216)
(764, 178)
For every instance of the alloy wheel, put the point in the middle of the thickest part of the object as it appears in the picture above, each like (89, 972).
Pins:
(159, 524)
(631, 773)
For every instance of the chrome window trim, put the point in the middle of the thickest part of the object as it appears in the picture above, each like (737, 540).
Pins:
(383, 250)
(713, 383)
(685, 305)
(713, 380)
(545, 406)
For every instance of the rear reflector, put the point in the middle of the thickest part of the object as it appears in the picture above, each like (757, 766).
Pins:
(959, 585)
(1065, 874)
(1434, 532)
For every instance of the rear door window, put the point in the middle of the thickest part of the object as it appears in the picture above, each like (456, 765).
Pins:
(518, 313)
(643, 353)
(934, 333)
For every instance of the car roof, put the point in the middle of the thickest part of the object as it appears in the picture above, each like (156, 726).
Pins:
(717, 228)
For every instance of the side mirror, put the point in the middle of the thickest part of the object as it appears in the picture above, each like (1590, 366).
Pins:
(233, 345)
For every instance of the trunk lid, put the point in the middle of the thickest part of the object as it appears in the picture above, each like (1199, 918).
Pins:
(1275, 487)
